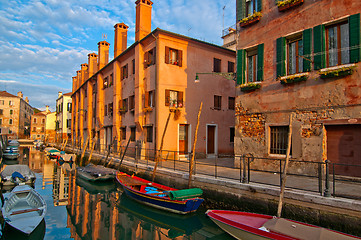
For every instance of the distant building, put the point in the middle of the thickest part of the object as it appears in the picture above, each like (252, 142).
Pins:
(38, 121)
(63, 116)
(15, 115)
(50, 127)
(299, 58)
(132, 96)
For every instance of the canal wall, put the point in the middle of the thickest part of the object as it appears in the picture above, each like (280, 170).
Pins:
(335, 213)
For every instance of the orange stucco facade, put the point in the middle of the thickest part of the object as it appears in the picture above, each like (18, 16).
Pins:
(132, 96)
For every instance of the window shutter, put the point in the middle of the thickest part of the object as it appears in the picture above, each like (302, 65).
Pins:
(354, 25)
(307, 47)
(120, 104)
(126, 70)
(259, 5)
(180, 99)
(281, 57)
(241, 61)
(240, 10)
(146, 99)
(167, 55)
(319, 47)
(125, 104)
(260, 53)
(180, 58)
(167, 97)
(154, 55)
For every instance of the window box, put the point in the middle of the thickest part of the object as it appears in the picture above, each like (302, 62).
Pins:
(122, 110)
(294, 78)
(337, 71)
(250, 87)
(287, 4)
(148, 109)
(255, 17)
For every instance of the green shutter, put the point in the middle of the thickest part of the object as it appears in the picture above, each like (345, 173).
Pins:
(260, 53)
(240, 9)
(241, 62)
(319, 47)
(354, 25)
(281, 57)
(307, 48)
(259, 6)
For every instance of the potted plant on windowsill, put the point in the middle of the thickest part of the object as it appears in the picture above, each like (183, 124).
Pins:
(294, 78)
(122, 110)
(148, 109)
(337, 71)
(287, 4)
(250, 87)
(255, 17)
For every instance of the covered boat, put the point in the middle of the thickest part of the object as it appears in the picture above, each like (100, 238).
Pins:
(93, 172)
(244, 225)
(16, 174)
(160, 196)
(24, 209)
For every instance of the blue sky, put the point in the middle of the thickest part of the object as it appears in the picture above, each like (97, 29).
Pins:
(43, 43)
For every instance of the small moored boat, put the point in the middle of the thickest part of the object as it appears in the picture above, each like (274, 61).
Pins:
(16, 174)
(93, 172)
(160, 196)
(244, 225)
(24, 209)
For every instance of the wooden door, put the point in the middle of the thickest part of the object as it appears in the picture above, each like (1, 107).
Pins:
(183, 138)
(344, 148)
(211, 133)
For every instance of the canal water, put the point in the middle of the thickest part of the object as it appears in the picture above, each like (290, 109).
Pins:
(77, 209)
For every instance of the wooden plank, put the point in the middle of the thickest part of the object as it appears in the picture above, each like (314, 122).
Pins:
(24, 211)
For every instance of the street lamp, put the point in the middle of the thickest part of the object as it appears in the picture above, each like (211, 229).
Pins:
(229, 76)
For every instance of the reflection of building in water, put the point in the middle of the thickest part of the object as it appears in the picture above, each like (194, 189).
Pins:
(60, 186)
(48, 171)
(35, 159)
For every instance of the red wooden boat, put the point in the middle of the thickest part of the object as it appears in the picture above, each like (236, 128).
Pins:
(160, 196)
(243, 225)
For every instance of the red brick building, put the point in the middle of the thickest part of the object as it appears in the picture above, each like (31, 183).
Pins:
(300, 57)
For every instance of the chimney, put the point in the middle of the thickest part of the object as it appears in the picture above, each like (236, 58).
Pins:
(26, 99)
(143, 25)
(47, 109)
(92, 64)
(103, 54)
(59, 94)
(20, 94)
(74, 84)
(78, 79)
(120, 38)
(83, 75)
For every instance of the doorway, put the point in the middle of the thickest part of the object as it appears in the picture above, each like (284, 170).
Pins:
(211, 140)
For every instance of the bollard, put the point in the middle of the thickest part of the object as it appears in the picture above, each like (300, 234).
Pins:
(327, 180)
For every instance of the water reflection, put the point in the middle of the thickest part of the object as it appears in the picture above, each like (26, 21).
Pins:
(78, 209)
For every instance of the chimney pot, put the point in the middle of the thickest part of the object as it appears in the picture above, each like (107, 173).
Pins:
(20, 94)
(120, 38)
(143, 25)
(59, 94)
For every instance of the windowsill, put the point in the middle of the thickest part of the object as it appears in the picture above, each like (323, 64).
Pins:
(337, 71)
(294, 78)
(250, 20)
(252, 86)
(288, 4)
(148, 109)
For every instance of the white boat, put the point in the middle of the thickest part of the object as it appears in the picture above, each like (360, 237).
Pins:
(13, 143)
(16, 174)
(24, 209)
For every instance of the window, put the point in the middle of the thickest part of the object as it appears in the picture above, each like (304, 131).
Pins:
(149, 131)
(42, 129)
(69, 107)
(1, 111)
(1, 102)
(11, 103)
(11, 112)
(338, 43)
(123, 104)
(85, 95)
(124, 71)
(250, 65)
(94, 88)
(294, 56)
(123, 133)
(34, 120)
(10, 121)
(110, 109)
(230, 67)
(132, 134)
(1, 121)
(111, 79)
(251, 7)
(34, 129)
(133, 66)
(106, 82)
(43, 120)
(231, 103)
(105, 110)
(149, 58)
(173, 56)
(216, 65)
(244, 8)
(217, 102)
(279, 139)
(173, 98)
(68, 123)
(131, 102)
(149, 99)
(231, 134)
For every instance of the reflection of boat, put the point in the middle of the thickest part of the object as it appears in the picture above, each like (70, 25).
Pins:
(244, 225)
(17, 174)
(24, 209)
(96, 187)
(37, 234)
(13, 143)
(11, 152)
(160, 196)
(177, 224)
(93, 172)
(51, 152)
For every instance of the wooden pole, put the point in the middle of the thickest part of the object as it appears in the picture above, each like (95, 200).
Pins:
(125, 150)
(284, 174)
(66, 142)
(161, 147)
(191, 167)
(92, 149)
(84, 147)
